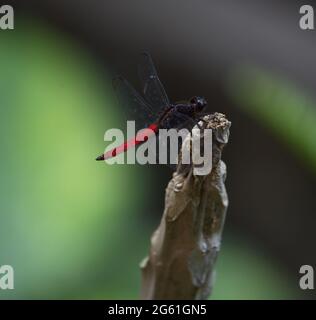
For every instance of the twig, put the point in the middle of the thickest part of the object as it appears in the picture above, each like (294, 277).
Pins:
(184, 247)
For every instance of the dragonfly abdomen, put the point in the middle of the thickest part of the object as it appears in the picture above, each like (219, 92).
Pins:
(141, 137)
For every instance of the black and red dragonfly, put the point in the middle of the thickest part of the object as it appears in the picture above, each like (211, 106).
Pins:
(153, 107)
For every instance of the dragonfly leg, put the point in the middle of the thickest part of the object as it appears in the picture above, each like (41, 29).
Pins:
(201, 118)
(187, 120)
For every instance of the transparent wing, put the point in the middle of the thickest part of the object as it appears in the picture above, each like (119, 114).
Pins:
(153, 89)
(138, 109)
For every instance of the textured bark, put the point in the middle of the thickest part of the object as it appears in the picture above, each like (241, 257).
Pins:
(185, 246)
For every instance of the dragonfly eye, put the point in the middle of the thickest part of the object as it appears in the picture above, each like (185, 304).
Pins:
(199, 103)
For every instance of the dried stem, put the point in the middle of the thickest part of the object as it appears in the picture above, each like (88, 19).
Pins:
(184, 247)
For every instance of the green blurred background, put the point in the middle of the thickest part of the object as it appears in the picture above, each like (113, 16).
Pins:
(73, 228)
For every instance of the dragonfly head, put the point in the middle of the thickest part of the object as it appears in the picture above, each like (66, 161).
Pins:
(198, 103)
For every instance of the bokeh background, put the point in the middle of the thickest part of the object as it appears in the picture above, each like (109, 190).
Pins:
(74, 228)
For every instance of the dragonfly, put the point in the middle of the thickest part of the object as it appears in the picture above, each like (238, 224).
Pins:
(153, 107)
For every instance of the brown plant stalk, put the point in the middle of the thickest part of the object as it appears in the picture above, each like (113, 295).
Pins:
(185, 246)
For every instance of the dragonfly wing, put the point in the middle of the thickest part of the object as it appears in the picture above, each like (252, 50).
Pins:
(153, 89)
(138, 109)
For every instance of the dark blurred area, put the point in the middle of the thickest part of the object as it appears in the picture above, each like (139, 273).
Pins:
(218, 49)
